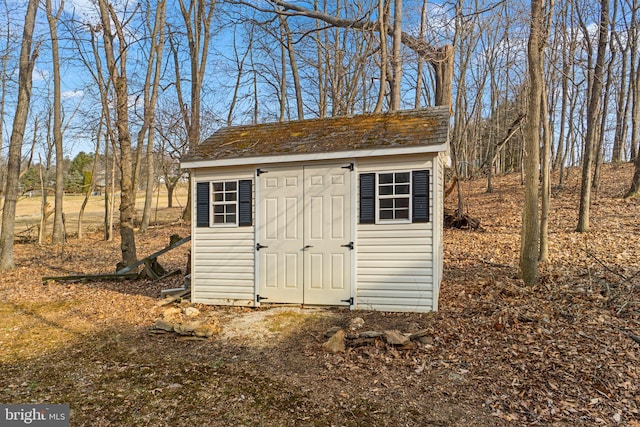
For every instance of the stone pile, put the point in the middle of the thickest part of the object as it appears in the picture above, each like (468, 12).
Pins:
(186, 320)
(339, 339)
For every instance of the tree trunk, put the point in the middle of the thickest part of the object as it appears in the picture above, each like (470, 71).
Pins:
(396, 56)
(530, 225)
(593, 110)
(118, 76)
(27, 62)
(545, 169)
(57, 237)
(150, 106)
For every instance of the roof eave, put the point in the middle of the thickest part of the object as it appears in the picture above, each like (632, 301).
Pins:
(284, 158)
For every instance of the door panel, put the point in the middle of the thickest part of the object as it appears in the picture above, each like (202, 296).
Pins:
(305, 219)
(280, 235)
(327, 226)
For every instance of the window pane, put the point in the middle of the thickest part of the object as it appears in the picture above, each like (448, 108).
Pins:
(231, 219)
(231, 209)
(402, 202)
(402, 214)
(230, 186)
(386, 178)
(402, 189)
(217, 186)
(218, 209)
(386, 190)
(402, 177)
(386, 203)
(218, 219)
(230, 197)
(386, 214)
(217, 197)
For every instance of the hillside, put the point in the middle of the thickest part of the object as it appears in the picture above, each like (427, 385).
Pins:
(496, 353)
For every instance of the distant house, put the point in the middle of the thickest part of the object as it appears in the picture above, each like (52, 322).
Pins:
(341, 211)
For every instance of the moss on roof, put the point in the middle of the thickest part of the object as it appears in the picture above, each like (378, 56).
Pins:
(427, 126)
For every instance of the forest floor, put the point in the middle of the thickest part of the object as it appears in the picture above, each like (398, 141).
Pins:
(496, 353)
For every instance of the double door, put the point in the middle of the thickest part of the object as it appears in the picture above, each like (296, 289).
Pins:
(304, 233)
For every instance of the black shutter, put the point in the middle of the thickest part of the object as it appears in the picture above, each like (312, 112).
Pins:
(244, 203)
(367, 198)
(202, 204)
(420, 196)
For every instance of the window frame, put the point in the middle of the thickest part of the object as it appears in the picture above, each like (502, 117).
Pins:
(213, 203)
(408, 196)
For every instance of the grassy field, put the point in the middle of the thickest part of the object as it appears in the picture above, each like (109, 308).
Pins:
(28, 211)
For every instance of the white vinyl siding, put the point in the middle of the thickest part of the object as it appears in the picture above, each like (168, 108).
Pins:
(395, 261)
(223, 258)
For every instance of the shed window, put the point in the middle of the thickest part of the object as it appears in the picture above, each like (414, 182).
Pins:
(394, 193)
(399, 196)
(224, 203)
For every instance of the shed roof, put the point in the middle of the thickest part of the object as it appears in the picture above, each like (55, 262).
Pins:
(409, 128)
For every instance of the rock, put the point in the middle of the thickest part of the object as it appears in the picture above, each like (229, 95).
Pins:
(331, 331)
(409, 345)
(413, 327)
(395, 337)
(187, 328)
(163, 325)
(207, 330)
(426, 340)
(174, 386)
(171, 312)
(356, 323)
(191, 312)
(370, 334)
(335, 344)
(359, 342)
(419, 334)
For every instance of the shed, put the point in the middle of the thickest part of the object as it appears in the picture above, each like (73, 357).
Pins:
(340, 211)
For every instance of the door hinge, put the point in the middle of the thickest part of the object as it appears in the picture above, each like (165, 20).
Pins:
(259, 298)
(349, 300)
(349, 166)
(260, 171)
(259, 246)
(348, 245)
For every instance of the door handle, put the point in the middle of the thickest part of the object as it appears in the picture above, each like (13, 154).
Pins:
(307, 247)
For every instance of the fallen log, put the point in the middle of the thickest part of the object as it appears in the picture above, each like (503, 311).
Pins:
(90, 277)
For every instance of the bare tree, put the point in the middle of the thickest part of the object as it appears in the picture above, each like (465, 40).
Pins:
(530, 233)
(28, 55)
(150, 90)
(58, 234)
(593, 110)
(197, 16)
(117, 69)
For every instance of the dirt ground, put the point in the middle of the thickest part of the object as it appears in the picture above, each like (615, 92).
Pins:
(496, 353)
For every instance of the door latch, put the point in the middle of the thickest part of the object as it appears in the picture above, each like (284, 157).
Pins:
(259, 246)
(348, 245)
(259, 298)
(349, 300)
(307, 247)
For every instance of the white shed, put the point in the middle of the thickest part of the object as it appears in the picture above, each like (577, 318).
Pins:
(341, 211)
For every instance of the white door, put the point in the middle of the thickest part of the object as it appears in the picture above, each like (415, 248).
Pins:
(327, 234)
(280, 236)
(304, 235)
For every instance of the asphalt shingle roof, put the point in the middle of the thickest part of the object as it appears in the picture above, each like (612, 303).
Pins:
(420, 127)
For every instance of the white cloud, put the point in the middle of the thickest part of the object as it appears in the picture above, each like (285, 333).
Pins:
(72, 94)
